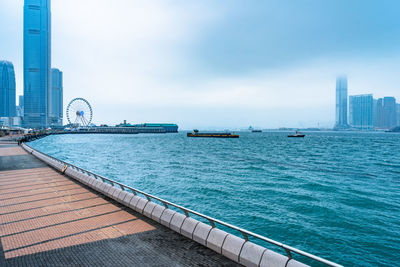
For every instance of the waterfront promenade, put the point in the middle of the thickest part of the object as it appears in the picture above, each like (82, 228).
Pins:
(47, 218)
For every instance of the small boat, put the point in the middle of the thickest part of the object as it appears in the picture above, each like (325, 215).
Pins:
(297, 134)
(256, 131)
(196, 133)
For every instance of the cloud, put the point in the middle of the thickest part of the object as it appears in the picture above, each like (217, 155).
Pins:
(279, 34)
(226, 63)
(123, 48)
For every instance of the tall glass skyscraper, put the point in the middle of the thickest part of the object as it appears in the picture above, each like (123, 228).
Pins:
(361, 109)
(37, 62)
(7, 89)
(341, 102)
(56, 97)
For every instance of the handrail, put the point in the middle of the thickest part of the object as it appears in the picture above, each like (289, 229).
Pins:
(186, 211)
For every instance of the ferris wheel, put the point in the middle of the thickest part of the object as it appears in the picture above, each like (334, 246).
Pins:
(79, 112)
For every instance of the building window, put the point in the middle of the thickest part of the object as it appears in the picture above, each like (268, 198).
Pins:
(31, 31)
(34, 7)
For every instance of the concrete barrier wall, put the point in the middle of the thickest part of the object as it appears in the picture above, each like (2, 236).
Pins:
(231, 246)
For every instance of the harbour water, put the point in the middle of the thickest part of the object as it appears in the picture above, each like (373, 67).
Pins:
(336, 195)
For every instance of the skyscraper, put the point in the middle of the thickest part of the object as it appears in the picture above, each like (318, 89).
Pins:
(7, 89)
(56, 97)
(341, 102)
(389, 112)
(20, 107)
(361, 111)
(379, 113)
(37, 62)
(21, 102)
(374, 113)
(398, 114)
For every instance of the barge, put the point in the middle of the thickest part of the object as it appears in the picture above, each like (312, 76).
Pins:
(196, 133)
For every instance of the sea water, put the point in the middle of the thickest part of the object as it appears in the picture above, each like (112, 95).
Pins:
(336, 195)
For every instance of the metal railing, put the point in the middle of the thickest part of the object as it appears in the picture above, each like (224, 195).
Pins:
(187, 212)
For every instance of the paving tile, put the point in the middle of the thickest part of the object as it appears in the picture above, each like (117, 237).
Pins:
(48, 219)
(11, 151)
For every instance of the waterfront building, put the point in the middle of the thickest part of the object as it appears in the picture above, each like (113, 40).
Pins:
(341, 102)
(56, 98)
(374, 113)
(389, 112)
(37, 62)
(7, 89)
(361, 111)
(378, 110)
(398, 114)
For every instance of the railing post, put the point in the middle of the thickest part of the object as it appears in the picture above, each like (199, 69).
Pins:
(288, 253)
(64, 168)
(245, 236)
(211, 222)
(165, 204)
(185, 211)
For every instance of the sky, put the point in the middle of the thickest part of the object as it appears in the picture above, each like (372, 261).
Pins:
(210, 64)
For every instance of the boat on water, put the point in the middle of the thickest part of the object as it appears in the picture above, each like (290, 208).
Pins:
(297, 134)
(196, 133)
(251, 129)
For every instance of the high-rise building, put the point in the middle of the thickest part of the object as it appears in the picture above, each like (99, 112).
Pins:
(7, 89)
(56, 97)
(341, 102)
(398, 114)
(389, 112)
(374, 113)
(361, 111)
(379, 113)
(21, 102)
(37, 62)
(20, 107)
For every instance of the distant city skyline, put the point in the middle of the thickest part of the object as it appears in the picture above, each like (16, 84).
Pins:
(268, 64)
(363, 111)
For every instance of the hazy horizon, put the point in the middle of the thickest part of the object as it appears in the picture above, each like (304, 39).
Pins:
(225, 64)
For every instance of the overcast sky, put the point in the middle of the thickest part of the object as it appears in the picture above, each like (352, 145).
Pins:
(220, 64)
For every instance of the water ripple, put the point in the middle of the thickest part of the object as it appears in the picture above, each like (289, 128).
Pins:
(336, 195)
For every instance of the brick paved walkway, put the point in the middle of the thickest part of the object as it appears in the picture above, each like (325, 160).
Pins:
(48, 219)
